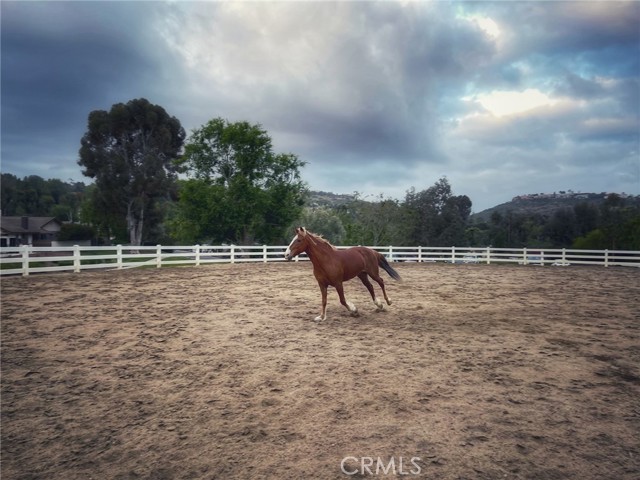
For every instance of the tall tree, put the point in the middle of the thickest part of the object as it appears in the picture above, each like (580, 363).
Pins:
(239, 189)
(130, 152)
(438, 217)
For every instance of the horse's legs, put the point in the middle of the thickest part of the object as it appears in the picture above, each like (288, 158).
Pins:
(349, 306)
(365, 280)
(323, 315)
(376, 276)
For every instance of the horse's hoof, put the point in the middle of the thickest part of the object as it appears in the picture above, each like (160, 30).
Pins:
(319, 318)
(354, 313)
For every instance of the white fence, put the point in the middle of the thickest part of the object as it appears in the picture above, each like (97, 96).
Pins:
(27, 259)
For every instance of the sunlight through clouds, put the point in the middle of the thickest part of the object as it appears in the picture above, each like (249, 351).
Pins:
(503, 103)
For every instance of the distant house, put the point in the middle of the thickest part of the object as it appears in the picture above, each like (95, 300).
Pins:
(36, 231)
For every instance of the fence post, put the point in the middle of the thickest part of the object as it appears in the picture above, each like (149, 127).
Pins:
(232, 253)
(564, 255)
(25, 260)
(76, 258)
(488, 255)
(524, 255)
(197, 255)
(391, 254)
(158, 256)
(264, 253)
(119, 256)
(453, 254)
(419, 253)
(606, 257)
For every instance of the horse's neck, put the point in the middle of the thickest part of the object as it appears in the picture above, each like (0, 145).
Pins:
(318, 252)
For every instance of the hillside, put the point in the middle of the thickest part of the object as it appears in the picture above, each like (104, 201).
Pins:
(546, 203)
(535, 204)
(328, 199)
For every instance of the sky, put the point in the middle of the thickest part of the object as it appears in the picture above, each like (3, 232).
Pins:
(501, 98)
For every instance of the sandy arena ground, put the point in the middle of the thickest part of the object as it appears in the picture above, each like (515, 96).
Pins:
(475, 372)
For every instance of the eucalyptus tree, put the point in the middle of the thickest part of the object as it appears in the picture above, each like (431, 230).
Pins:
(130, 152)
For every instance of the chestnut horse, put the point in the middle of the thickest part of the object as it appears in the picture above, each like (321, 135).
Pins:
(332, 267)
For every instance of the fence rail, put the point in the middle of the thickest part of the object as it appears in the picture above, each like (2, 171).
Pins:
(27, 259)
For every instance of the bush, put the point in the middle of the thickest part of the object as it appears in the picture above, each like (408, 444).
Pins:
(75, 231)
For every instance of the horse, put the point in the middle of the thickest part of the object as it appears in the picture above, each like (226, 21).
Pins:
(333, 267)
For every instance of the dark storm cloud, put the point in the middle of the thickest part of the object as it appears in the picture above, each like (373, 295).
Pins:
(60, 61)
(376, 96)
(392, 78)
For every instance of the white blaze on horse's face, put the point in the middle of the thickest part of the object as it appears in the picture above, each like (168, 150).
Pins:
(287, 254)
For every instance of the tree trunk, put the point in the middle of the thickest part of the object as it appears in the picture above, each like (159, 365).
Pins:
(135, 223)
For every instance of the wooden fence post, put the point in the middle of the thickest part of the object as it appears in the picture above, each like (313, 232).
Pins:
(76, 258)
(453, 254)
(488, 255)
(119, 256)
(264, 253)
(158, 256)
(197, 255)
(524, 256)
(25, 260)
(606, 257)
(233, 253)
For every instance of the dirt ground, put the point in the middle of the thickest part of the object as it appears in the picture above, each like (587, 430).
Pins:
(474, 372)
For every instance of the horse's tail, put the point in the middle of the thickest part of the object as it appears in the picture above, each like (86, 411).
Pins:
(382, 262)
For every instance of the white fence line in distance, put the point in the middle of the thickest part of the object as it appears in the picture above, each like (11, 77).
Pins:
(26, 259)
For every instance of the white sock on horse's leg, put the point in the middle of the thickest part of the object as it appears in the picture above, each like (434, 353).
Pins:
(379, 304)
(352, 309)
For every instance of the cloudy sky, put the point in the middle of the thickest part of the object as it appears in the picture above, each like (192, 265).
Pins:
(502, 98)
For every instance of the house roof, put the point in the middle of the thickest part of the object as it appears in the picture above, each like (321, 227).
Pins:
(34, 224)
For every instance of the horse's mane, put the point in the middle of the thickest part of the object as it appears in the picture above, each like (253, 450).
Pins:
(321, 239)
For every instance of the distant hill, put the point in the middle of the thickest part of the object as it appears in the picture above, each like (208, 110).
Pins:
(536, 203)
(328, 199)
(546, 203)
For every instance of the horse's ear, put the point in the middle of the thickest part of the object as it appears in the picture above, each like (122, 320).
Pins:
(301, 231)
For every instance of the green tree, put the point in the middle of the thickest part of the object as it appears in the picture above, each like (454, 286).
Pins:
(324, 221)
(630, 234)
(437, 216)
(34, 195)
(109, 225)
(455, 213)
(620, 223)
(9, 187)
(238, 189)
(130, 151)
(586, 216)
(377, 222)
(595, 240)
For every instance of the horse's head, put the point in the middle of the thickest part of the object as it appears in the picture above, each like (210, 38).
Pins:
(298, 244)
